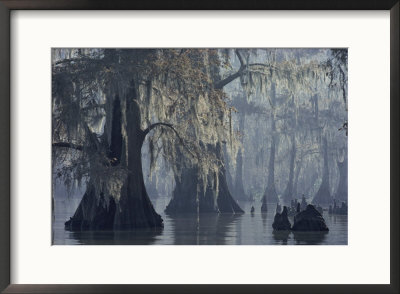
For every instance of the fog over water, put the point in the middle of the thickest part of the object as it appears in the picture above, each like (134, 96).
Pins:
(186, 146)
(207, 229)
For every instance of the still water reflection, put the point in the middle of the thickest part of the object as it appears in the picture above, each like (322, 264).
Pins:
(205, 229)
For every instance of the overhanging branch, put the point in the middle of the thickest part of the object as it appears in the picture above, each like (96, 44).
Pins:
(220, 84)
(170, 126)
(146, 131)
(68, 145)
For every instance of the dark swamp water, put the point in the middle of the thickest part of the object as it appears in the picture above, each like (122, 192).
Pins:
(205, 229)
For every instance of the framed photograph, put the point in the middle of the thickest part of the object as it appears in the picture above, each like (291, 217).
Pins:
(164, 148)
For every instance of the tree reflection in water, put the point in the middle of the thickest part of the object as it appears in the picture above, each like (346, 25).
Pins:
(281, 237)
(309, 238)
(137, 237)
(204, 229)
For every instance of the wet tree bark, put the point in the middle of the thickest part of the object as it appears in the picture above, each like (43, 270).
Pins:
(133, 209)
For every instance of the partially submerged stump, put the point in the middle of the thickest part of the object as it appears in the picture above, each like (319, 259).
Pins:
(281, 221)
(309, 220)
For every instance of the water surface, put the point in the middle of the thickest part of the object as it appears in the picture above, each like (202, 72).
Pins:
(205, 229)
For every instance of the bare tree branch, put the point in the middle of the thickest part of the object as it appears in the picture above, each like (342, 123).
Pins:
(68, 145)
(151, 127)
(170, 126)
(220, 84)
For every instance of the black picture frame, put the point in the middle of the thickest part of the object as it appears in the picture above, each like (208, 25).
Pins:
(6, 6)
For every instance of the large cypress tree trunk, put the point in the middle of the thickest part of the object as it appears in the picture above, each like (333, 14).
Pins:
(229, 179)
(225, 201)
(191, 195)
(289, 191)
(239, 189)
(323, 196)
(132, 207)
(270, 195)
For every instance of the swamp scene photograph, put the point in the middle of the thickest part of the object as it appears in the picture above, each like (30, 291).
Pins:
(199, 146)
